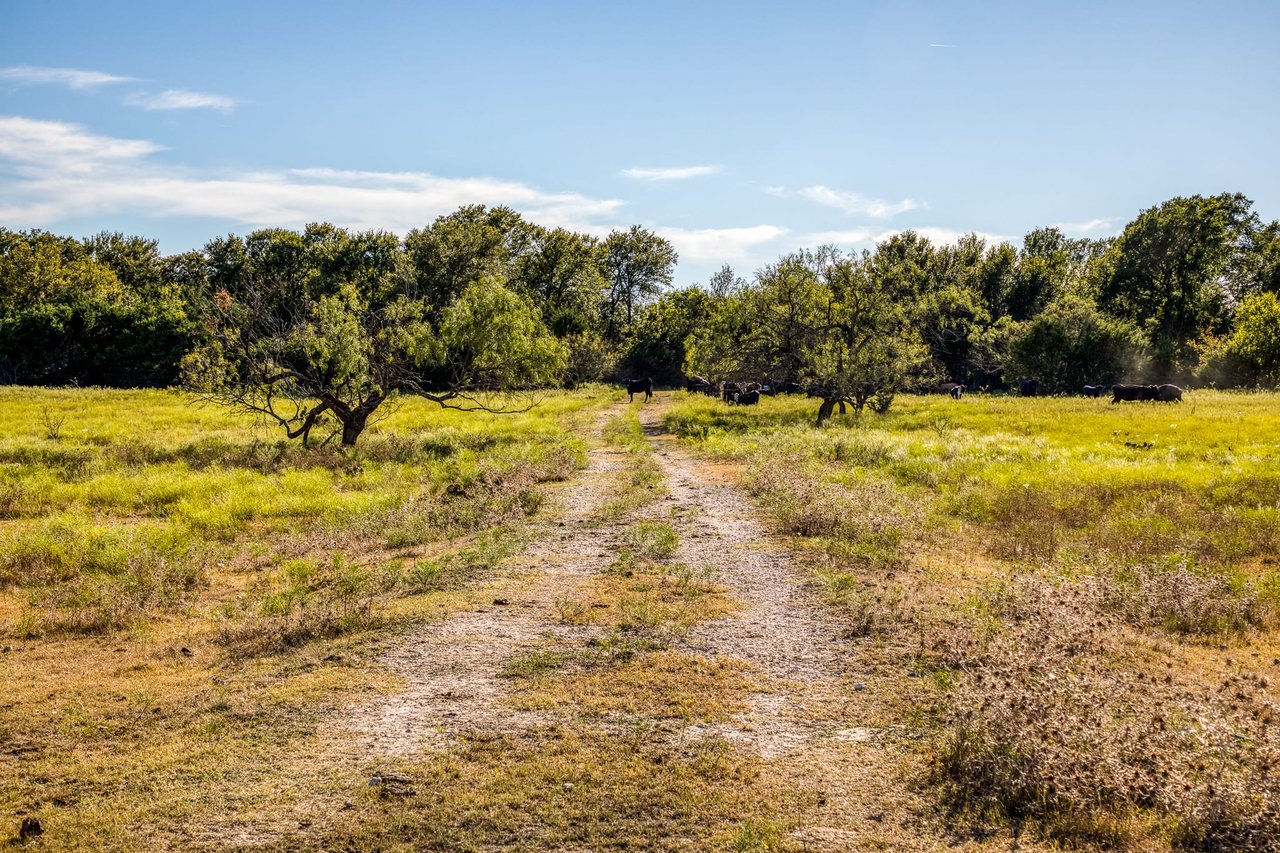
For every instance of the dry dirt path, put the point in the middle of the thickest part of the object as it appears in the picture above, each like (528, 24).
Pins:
(822, 718)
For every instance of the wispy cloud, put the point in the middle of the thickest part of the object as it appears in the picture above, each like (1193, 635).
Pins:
(935, 44)
(180, 99)
(1084, 229)
(74, 78)
(848, 202)
(945, 236)
(55, 171)
(678, 173)
(720, 244)
(38, 147)
(852, 237)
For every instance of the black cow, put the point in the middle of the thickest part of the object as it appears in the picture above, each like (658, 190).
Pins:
(698, 384)
(1029, 387)
(635, 386)
(956, 392)
(1093, 390)
(1169, 393)
(748, 398)
(731, 391)
(1133, 392)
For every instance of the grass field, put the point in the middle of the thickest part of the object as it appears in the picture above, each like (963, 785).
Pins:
(183, 593)
(1089, 591)
(1070, 608)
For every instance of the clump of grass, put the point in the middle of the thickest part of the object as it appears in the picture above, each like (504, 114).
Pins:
(565, 789)
(304, 601)
(653, 540)
(866, 520)
(1043, 727)
(1180, 598)
(456, 567)
(84, 577)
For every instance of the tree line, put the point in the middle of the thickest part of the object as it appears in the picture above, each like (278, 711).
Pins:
(323, 324)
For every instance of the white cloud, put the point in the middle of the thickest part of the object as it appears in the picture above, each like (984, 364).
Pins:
(53, 147)
(56, 171)
(180, 99)
(945, 236)
(719, 244)
(73, 78)
(1082, 229)
(856, 236)
(679, 173)
(851, 202)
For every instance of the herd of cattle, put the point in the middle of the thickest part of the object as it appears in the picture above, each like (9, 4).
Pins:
(748, 393)
(1119, 393)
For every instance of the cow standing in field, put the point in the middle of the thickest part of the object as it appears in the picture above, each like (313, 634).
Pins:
(1133, 393)
(1093, 390)
(1029, 387)
(1168, 393)
(956, 392)
(635, 386)
(697, 384)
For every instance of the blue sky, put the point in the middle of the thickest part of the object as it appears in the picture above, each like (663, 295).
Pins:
(739, 130)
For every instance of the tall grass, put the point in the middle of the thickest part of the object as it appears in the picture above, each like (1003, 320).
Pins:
(121, 511)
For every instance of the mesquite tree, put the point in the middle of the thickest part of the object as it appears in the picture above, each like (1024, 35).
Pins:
(305, 338)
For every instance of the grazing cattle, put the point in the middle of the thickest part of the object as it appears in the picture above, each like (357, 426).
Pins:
(1029, 387)
(1093, 390)
(944, 387)
(636, 386)
(1133, 392)
(956, 392)
(1169, 393)
(748, 398)
(731, 391)
(792, 388)
(698, 384)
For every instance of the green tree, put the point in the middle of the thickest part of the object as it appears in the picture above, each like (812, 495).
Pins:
(866, 346)
(1166, 273)
(320, 327)
(1071, 343)
(1251, 354)
(471, 242)
(656, 346)
(562, 275)
(636, 264)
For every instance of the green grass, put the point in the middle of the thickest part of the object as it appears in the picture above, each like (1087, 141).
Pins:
(1048, 478)
(124, 513)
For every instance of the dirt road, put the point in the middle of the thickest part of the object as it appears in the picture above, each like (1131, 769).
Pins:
(820, 717)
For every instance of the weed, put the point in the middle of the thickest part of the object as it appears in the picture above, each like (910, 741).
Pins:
(653, 540)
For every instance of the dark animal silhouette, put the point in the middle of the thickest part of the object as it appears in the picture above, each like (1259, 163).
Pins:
(1121, 393)
(1029, 387)
(956, 392)
(635, 386)
(698, 384)
(1093, 390)
(944, 387)
(1169, 393)
(748, 398)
